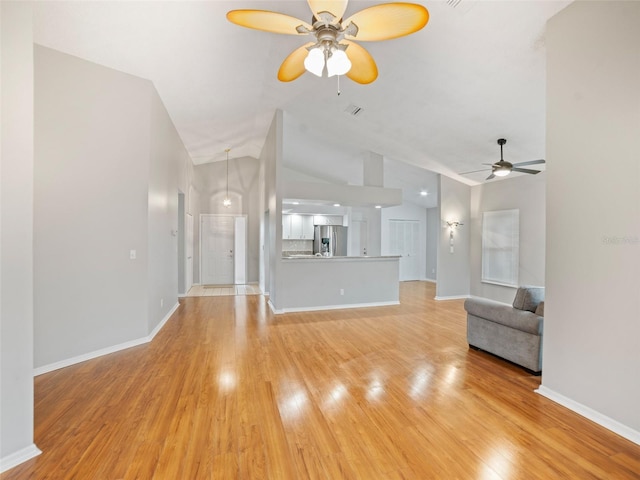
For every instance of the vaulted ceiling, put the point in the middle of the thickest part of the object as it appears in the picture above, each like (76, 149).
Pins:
(443, 97)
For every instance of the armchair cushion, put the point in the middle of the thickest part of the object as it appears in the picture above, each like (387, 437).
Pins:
(528, 298)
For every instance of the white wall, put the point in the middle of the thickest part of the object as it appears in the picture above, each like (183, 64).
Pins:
(453, 268)
(433, 235)
(108, 168)
(271, 168)
(16, 236)
(170, 170)
(92, 140)
(527, 194)
(244, 177)
(592, 310)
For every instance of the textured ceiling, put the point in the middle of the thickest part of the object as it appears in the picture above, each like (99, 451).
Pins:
(443, 97)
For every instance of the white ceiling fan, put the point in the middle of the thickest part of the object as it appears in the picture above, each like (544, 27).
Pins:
(333, 47)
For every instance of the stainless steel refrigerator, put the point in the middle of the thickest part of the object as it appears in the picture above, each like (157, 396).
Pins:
(330, 240)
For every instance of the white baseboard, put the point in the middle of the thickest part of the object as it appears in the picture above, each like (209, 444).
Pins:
(330, 307)
(594, 416)
(105, 351)
(453, 297)
(273, 309)
(166, 318)
(430, 280)
(16, 458)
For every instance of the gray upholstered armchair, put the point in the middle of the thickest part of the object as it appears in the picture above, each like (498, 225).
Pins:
(513, 332)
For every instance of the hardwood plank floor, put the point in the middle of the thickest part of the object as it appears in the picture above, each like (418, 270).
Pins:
(229, 391)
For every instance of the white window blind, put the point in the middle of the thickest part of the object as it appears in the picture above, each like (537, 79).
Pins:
(500, 247)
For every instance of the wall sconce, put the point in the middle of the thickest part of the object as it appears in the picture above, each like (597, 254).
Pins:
(451, 226)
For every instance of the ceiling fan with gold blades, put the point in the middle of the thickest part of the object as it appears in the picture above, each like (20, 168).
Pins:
(333, 48)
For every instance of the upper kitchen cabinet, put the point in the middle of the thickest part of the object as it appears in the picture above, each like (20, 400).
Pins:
(297, 227)
(328, 220)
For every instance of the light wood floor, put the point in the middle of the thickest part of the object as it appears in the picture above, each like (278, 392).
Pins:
(228, 391)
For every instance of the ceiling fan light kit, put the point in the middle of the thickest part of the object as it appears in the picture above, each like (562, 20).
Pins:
(332, 47)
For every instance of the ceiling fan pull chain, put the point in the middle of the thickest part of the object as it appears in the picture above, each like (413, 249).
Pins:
(339, 92)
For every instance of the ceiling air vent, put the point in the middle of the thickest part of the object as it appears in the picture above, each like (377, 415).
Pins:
(353, 110)
(453, 3)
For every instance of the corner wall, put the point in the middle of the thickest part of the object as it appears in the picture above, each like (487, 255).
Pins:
(16, 236)
(453, 268)
(109, 165)
(92, 139)
(592, 309)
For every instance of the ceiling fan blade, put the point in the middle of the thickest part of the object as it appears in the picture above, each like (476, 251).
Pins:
(473, 171)
(530, 162)
(525, 170)
(335, 7)
(490, 177)
(363, 67)
(388, 20)
(266, 21)
(293, 65)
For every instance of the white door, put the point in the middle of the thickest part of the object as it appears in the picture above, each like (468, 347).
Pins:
(358, 238)
(217, 244)
(404, 241)
(188, 271)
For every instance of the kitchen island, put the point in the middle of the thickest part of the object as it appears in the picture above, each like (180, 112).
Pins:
(310, 282)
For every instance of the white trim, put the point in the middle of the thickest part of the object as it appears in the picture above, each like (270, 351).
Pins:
(430, 280)
(331, 307)
(166, 318)
(594, 416)
(452, 297)
(104, 351)
(16, 458)
(489, 282)
(273, 309)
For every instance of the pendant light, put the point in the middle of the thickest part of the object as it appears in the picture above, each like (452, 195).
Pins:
(227, 200)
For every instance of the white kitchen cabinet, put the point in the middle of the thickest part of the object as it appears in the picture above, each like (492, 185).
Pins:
(327, 220)
(297, 227)
(307, 227)
(286, 227)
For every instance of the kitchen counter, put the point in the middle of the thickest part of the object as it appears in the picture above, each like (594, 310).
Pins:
(308, 283)
(336, 257)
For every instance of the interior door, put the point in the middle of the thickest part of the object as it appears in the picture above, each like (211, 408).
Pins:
(404, 241)
(358, 238)
(188, 273)
(217, 242)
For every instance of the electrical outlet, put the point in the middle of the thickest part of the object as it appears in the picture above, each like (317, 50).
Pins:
(132, 254)
(342, 291)
(161, 302)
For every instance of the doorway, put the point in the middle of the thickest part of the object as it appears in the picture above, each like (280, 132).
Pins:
(404, 240)
(185, 247)
(358, 238)
(223, 249)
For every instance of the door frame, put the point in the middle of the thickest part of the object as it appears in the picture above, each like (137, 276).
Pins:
(246, 234)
